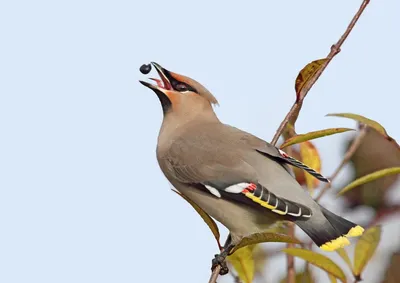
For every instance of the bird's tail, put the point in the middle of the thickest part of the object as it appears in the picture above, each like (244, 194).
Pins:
(333, 233)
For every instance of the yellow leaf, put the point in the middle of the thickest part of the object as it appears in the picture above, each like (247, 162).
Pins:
(332, 278)
(365, 248)
(370, 177)
(260, 257)
(313, 135)
(319, 260)
(310, 157)
(343, 254)
(302, 277)
(362, 119)
(209, 221)
(243, 262)
(298, 173)
(306, 74)
(264, 237)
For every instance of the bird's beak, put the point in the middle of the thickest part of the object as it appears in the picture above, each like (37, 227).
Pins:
(163, 84)
(163, 87)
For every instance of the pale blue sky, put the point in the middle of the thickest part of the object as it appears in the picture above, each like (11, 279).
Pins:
(82, 197)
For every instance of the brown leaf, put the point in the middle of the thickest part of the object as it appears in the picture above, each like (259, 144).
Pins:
(306, 74)
(374, 153)
(209, 221)
(393, 271)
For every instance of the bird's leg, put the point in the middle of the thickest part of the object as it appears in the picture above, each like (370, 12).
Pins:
(219, 259)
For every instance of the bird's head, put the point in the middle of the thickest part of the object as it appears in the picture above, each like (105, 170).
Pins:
(178, 93)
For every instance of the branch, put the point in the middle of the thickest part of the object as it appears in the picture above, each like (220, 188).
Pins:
(335, 49)
(350, 152)
(291, 272)
(295, 109)
(214, 274)
(223, 252)
(292, 116)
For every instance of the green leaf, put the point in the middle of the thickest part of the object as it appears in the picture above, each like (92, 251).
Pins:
(209, 221)
(362, 119)
(264, 237)
(343, 254)
(243, 262)
(319, 260)
(370, 177)
(306, 74)
(313, 135)
(365, 248)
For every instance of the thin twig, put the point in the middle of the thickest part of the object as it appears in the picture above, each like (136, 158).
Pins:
(292, 111)
(335, 49)
(291, 272)
(217, 269)
(350, 152)
(295, 109)
(214, 274)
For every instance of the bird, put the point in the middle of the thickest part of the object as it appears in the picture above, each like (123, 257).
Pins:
(242, 181)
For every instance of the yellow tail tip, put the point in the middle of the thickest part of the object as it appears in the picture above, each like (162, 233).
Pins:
(335, 244)
(355, 231)
(342, 241)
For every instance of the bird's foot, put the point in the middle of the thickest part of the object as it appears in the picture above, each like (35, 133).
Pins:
(219, 259)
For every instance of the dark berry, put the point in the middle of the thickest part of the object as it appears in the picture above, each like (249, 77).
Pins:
(145, 69)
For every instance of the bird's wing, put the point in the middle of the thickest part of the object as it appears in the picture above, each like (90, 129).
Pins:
(257, 196)
(200, 157)
(218, 163)
(277, 154)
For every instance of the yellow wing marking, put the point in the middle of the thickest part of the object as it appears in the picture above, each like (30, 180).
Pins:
(266, 204)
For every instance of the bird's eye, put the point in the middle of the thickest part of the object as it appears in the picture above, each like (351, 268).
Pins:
(181, 87)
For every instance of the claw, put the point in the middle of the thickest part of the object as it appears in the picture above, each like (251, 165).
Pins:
(219, 259)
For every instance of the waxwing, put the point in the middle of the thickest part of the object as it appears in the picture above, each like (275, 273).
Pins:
(238, 179)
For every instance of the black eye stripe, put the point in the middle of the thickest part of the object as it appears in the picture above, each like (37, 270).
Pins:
(181, 86)
(174, 83)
